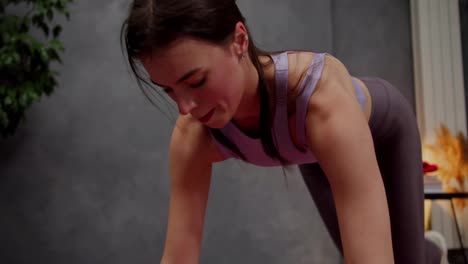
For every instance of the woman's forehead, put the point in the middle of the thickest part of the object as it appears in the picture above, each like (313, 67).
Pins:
(186, 49)
(181, 57)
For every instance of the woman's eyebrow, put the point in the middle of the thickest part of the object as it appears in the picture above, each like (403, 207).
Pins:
(155, 83)
(183, 78)
(188, 75)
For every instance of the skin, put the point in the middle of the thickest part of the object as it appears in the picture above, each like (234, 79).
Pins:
(231, 90)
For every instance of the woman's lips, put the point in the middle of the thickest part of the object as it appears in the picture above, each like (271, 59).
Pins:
(207, 117)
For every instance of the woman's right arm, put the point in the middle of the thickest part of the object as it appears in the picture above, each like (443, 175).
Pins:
(191, 156)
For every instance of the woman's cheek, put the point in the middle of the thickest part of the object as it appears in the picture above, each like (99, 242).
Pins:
(214, 95)
(172, 96)
(217, 87)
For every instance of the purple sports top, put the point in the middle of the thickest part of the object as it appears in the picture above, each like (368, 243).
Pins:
(252, 147)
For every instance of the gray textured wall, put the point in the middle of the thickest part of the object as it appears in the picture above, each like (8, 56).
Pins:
(85, 180)
(373, 38)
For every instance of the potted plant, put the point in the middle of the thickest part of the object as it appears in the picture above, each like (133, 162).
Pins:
(25, 73)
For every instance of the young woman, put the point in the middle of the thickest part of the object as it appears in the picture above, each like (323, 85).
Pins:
(355, 140)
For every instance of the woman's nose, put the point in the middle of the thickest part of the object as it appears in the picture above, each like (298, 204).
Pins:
(186, 105)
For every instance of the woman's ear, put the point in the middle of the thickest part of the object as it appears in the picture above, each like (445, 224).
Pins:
(241, 39)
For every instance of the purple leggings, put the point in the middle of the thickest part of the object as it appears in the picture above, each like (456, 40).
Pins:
(398, 149)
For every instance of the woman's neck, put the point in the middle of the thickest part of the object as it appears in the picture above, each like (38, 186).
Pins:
(247, 116)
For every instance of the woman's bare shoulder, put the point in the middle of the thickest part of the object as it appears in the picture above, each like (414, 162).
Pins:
(192, 139)
(334, 91)
(335, 77)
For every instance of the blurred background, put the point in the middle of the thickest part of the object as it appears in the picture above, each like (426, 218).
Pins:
(85, 180)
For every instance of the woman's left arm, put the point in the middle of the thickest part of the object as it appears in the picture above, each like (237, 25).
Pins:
(338, 134)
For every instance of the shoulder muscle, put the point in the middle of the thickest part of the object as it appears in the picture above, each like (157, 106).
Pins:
(191, 141)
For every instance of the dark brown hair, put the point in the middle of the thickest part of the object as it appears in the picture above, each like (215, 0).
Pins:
(154, 24)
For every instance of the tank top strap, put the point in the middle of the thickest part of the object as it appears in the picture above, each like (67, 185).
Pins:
(304, 93)
(281, 79)
(280, 123)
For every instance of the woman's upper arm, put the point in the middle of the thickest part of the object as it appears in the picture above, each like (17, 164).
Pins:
(339, 136)
(191, 159)
(336, 127)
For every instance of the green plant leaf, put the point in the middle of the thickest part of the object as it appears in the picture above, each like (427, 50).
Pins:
(56, 31)
(50, 14)
(56, 44)
(23, 100)
(3, 119)
(7, 101)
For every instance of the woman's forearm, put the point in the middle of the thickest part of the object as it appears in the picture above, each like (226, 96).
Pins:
(185, 255)
(365, 224)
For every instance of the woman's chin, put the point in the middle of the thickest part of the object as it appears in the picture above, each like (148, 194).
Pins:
(217, 123)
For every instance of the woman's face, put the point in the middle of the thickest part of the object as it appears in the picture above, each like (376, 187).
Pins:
(205, 80)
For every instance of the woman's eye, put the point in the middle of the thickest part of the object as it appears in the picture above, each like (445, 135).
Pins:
(167, 90)
(200, 83)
